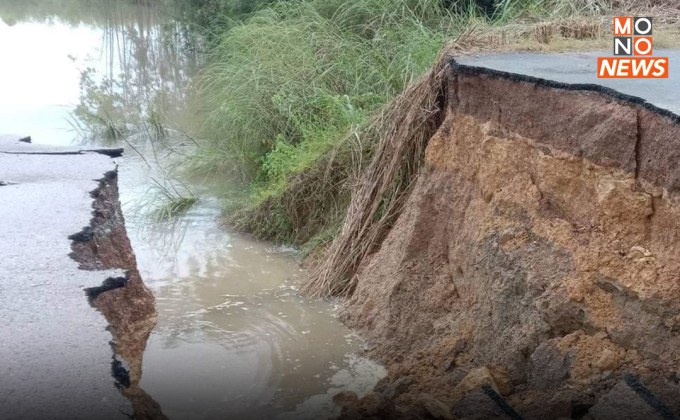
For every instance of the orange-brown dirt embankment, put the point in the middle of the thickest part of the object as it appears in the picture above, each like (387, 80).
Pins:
(535, 268)
(126, 302)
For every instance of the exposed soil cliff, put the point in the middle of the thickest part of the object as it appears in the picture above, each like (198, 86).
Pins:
(533, 270)
(126, 303)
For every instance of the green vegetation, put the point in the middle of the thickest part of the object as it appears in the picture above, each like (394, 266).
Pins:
(290, 97)
(289, 94)
(169, 202)
(285, 86)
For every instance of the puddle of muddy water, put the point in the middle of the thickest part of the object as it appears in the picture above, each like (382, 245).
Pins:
(233, 338)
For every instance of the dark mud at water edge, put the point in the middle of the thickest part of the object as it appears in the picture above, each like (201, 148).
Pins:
(229, 335)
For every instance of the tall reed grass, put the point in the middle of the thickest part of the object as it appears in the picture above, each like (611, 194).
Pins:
(288, 96)
(285, 86)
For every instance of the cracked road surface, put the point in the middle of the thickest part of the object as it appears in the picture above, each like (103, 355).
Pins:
(54, 347)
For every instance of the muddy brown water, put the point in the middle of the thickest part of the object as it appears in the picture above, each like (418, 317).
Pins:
(234, 337)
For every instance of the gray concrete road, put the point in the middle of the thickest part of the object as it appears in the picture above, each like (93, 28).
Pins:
(55, 357)
(582, 68)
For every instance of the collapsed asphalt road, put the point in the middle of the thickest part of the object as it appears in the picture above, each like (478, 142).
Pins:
(56, 352)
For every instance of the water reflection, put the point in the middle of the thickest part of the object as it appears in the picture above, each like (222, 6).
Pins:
(140, 85)
(94, 69)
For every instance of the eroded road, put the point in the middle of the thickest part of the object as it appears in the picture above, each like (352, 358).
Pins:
(54, 347)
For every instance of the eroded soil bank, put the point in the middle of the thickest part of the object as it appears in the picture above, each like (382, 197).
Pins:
(533, 271)
(125, 302)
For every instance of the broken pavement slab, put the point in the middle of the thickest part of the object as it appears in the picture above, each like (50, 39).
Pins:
(56, 352)
(19, 145)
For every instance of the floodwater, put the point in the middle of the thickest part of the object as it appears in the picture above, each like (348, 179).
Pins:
(234, 338)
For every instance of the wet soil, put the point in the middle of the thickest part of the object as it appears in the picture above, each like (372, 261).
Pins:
(533, 269)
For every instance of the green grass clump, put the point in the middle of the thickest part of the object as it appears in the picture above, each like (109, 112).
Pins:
(304, 72)
(172, 208)
(284, 88)
(165, 202)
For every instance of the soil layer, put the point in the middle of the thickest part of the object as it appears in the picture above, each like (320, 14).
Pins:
(125, 301)
(533, 269)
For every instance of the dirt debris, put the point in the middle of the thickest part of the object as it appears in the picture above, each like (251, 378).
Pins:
(533, 267)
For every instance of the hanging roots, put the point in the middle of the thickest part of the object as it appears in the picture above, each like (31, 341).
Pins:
(404, 128)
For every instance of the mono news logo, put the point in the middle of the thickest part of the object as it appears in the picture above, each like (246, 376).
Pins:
(633, 49)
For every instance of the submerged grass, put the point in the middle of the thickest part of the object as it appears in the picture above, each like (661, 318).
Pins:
(165, 202)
